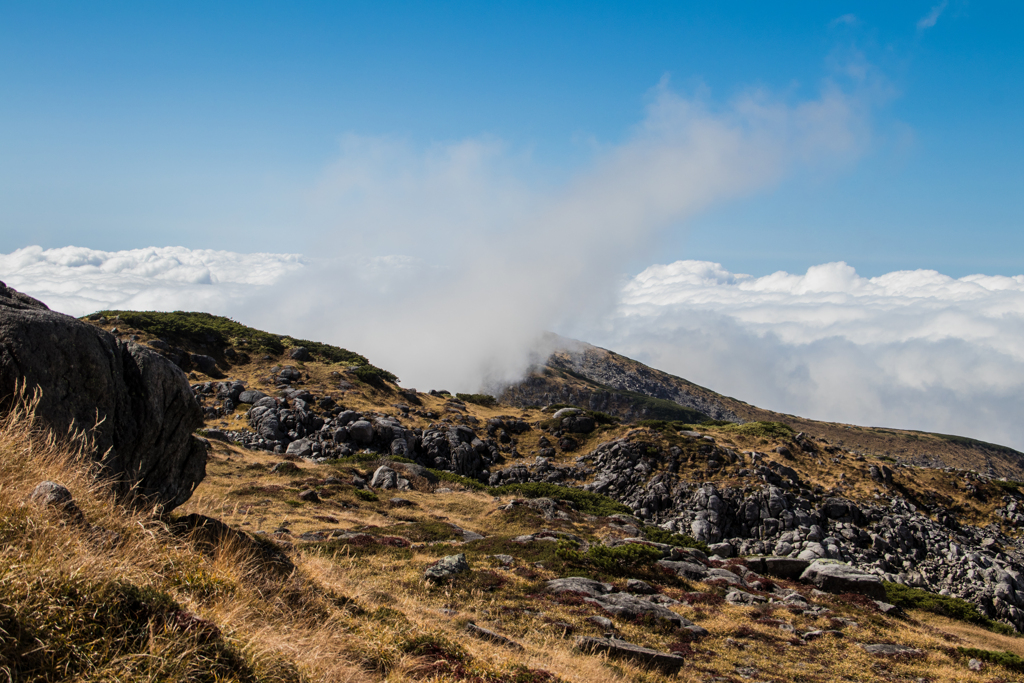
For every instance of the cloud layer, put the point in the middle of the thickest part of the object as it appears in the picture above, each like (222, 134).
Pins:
(914, 349)
(77, 281)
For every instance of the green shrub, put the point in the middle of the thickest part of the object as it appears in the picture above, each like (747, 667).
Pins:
(945, 605)
(453, 478)
(767, 430)
(659, 535)
(1007, 660)
(480, 399)
(585, 501)
(374, 376)
(603, 418)
(203, 329)
(422, 531)
(663, 425)
(621, 560)
(368, 496)
(1008, 485)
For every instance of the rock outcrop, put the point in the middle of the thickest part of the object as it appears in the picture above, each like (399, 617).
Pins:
(136, 406)
(777, 515)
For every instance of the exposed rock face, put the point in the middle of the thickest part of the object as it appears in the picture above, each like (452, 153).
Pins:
(140, 403)
(779, 516)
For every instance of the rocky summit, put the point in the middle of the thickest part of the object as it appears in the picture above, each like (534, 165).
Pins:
(598, 521)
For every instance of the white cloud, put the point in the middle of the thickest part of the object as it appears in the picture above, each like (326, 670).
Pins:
(914, 349)
(497, 253)
(489, 256)
(845, 19)
(77, 281)
(929, 20)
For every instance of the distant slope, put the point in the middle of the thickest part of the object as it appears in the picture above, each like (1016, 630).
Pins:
(598, 379)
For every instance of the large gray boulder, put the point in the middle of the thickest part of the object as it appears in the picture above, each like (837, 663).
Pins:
(136, 406)
(835, 577)
(579, 584)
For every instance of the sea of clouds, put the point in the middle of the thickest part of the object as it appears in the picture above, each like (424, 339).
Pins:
(446, 263)
(915, 349)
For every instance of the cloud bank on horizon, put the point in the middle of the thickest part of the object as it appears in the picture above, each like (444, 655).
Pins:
(912, 349)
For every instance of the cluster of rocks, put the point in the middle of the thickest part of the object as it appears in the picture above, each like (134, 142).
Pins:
(1012, 511)
(779, 515)
(298, 423)
(746, 586)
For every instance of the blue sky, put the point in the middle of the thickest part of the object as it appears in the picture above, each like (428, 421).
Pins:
(126, 125)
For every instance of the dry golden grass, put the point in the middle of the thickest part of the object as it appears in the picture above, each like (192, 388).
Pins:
(354, 613)
(350, 614)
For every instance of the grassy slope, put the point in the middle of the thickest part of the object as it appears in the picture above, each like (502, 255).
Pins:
(360, 609)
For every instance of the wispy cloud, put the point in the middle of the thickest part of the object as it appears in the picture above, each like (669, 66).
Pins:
(489, 259)
(77, 280)
(845, 20)
(929, 20)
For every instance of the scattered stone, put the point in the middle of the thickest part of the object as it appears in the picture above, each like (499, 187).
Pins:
(384, 478)
(50, 494)
(217, 435)
(630, 606)
(666, 662)
(738, 597)
(309, 496)
(251, 396)
(579, 584)
(484, 634)
(285, 467)
(361, 432)
(447, 568)
(639, 587)
(889, 610)
(723, 550)
(788, 568)
(814, 635)
(687, 570)
(303, 448)
(891, 649)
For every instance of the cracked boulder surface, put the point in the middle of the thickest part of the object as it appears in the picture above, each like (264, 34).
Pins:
(136, 407)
